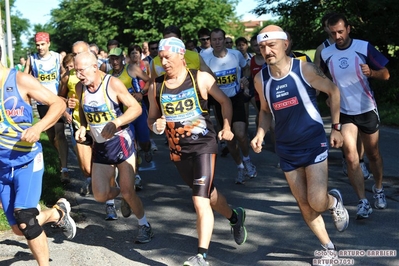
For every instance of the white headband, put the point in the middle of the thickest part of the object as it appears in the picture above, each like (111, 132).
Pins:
(271, 35)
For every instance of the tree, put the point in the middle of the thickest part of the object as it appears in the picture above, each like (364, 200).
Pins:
(368, 18)
(19, 26)
(131, 21)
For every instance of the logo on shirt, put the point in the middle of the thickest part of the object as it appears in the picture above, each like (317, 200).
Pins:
(343, 62)
(283, 86)
(285, 103)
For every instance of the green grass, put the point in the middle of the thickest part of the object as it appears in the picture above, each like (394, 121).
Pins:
(52, 188)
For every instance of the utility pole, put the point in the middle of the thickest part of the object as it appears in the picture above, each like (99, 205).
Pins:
(2, 42)
(9, 36)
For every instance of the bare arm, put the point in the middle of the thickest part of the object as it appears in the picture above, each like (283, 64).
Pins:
(265, 116)
(382, 74)
(29, 87)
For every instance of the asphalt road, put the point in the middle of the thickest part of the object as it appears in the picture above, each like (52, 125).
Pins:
(277, 234)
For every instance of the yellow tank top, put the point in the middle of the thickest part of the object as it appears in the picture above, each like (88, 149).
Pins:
(72, 81)
(124, 77)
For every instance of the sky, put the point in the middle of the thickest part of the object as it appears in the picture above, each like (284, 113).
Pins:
(38, 11)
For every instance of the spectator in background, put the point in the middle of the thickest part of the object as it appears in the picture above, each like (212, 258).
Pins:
(21, 65)
(191, 45)
(145, 50)
(229, 43)
(204, 37)
(153, 46)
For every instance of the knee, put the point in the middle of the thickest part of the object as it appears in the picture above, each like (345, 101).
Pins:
(28, 223)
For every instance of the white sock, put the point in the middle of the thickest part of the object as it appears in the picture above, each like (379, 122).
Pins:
(329, 245)
(245, 158)
(143, 221)
(110, 202)
(335, 203)
(64, 169)
(240, 166)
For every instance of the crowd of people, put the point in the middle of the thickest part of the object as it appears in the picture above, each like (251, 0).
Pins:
(114, 102)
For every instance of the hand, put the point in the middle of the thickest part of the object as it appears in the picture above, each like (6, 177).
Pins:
(72, 102)
(30, 135)
(160, 124)
(80, 135)
(366, 70)
(225, 134)
(256, 144)
(138, 96)
(336, 139)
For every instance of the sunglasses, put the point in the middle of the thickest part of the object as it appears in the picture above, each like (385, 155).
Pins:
(154, 48)
(229, 42)
(205, 39)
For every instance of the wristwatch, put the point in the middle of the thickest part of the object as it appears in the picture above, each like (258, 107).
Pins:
(143, 92)
(337, 126)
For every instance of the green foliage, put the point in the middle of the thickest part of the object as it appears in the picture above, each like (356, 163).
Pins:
(19, 27)
(52, 188)
(131, 21)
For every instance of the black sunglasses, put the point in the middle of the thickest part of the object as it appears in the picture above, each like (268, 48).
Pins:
(154, 48)
(205, 39)
(229, 42)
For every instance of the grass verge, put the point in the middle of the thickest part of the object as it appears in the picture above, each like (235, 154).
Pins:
(52, 188)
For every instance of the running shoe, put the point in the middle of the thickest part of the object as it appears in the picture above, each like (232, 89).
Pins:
(137, 183)
(241, 176)
(110, 212)
(145, 234)
(380, 201)
(125, 208)
(363, 209)
(250, 169)
(344, 167)
(66, 223)
(197, 260)
(327, 255)
(366, 173)
(238, 229)
(339, 213)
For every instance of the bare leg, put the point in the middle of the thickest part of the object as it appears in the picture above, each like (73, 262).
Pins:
(205, 220)
(309, 187)
(126, 182)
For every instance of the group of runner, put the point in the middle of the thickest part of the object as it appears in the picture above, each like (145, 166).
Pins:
(107, 113)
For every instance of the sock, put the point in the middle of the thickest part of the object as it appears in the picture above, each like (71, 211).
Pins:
(245, 158)
(329, 245)
(110, 202)
(64, 169)
(361, 161)
(143, 221)
(233, 219)
(88, 180)
(378, 190)
(240, 166)
(364, 200)
(203, 252)
(335, 203)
